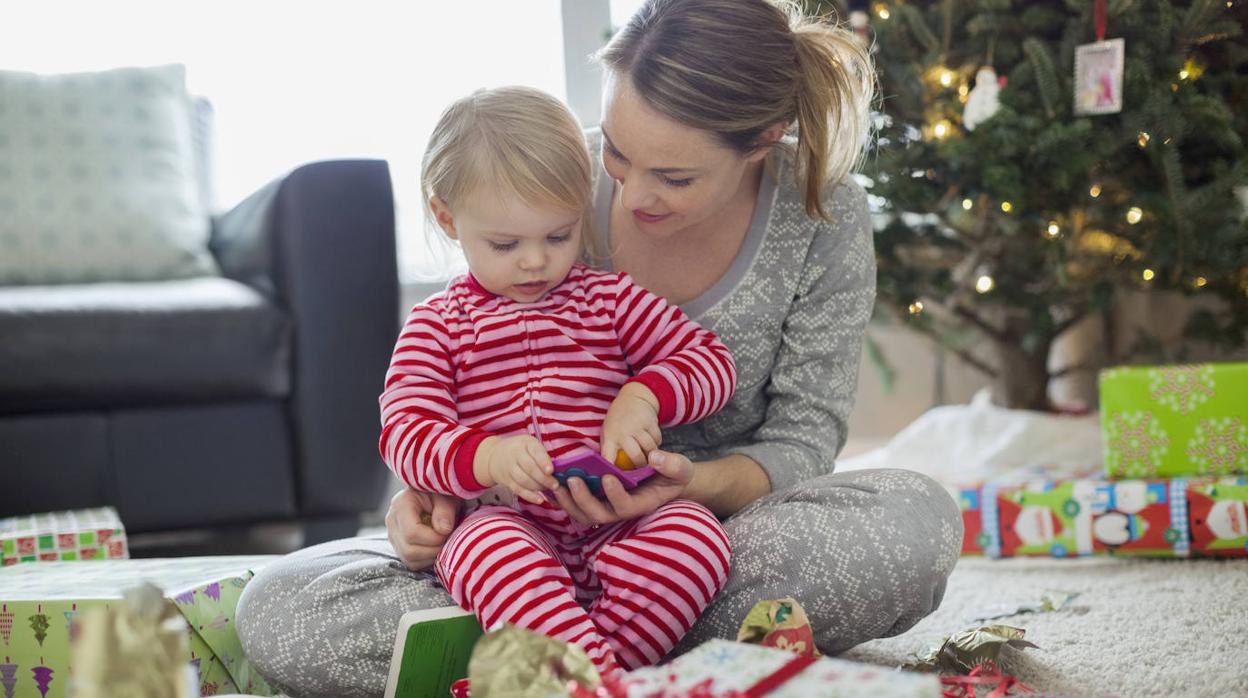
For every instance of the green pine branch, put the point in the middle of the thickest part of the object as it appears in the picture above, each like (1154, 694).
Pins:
(1045, 75)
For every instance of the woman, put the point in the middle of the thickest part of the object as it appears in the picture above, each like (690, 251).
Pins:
(766, 242)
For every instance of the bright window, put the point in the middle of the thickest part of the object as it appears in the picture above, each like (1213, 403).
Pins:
(298, 81)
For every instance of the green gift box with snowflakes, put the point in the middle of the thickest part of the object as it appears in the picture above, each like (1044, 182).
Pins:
(39, 606)
(1170, 421)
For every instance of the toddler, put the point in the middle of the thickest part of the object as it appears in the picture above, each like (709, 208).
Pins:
(532, 356)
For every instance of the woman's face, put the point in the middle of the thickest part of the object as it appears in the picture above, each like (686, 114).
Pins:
(670, 177)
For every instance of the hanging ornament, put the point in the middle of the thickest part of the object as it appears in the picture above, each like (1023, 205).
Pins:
(984, 99)
(859, 20)
(859, 23)
(1098, 70)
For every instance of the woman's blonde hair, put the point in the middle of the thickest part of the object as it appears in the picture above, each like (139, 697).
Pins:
(517, 140)
(739, 67)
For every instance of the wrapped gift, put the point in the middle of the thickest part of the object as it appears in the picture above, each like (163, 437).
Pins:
(1141, 517)
(1170, 421)
(980, 528)
(40, 603)
(86, 534)
(1218, 509)
(1046, 518)
(1084, 517)
(779, 623)
(720, 667)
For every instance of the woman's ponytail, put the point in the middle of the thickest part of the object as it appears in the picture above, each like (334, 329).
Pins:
(835, 88)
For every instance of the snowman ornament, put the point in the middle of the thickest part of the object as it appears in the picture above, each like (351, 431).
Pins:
(983, 100)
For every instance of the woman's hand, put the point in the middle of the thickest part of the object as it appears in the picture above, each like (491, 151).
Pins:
(674, 473)
(631, 424)
(418, 524)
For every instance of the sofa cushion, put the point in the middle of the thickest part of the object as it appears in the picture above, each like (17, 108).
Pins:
(136, 344)
(98, 178)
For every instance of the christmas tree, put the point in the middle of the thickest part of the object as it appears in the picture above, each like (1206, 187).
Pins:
(8, 677)
(39, 624)
(1014, 199)
(43, 678)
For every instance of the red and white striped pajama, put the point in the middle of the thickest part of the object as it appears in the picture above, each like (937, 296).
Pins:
(469, 365)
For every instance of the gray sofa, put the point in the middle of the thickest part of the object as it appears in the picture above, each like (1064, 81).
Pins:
(250, 397)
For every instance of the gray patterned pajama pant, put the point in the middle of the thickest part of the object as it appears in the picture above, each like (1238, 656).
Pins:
(866, 553)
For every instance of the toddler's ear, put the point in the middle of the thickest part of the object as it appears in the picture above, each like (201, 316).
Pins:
(442, 214)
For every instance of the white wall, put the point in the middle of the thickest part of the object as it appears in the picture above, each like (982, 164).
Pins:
(300, 80)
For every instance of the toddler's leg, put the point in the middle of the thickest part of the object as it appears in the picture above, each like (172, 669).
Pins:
(500, 566)
(657, 574)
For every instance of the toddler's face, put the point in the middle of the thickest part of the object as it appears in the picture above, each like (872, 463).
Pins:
(515, 249)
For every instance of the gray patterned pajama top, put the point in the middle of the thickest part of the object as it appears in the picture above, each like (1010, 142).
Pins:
(792, 308)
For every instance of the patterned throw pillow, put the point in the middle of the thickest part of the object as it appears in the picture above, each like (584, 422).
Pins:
(97, 178)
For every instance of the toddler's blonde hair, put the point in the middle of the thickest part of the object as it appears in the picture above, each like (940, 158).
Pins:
(517, 140)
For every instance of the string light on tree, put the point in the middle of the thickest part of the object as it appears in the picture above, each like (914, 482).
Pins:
(1191, 70)
(881, 11)
(916, 307)
(967, 204)
(1095, 191)
(1143, 139)
(1200, 282)
(1007, 206)
(946, 78)
(1134, 215)
(941, 129)
(1148, 274)
(1054, 230)
(984, 283)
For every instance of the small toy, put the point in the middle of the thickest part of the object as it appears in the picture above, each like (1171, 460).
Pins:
(622, 461)
(590, 467)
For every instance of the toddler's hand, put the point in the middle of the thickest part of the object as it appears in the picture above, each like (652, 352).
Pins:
(632, 424)
(518, 463)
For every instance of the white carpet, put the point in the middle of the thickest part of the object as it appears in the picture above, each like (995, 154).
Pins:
(1138, 628)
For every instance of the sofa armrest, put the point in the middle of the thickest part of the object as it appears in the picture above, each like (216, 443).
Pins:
(321, 243)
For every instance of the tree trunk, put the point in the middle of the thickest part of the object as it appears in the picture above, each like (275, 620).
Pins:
(1022, 379)
(1022, 375)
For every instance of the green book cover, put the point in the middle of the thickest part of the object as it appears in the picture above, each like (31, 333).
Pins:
(431, 651)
